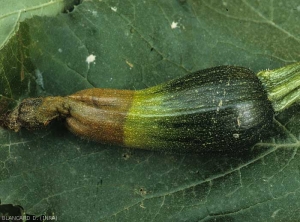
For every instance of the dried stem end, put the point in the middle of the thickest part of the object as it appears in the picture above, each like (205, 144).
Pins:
(35, 113)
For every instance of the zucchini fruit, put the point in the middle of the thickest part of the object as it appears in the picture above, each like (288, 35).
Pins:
(215, 109)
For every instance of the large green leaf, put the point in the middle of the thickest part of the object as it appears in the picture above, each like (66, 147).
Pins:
(14, 11)
(139, 44)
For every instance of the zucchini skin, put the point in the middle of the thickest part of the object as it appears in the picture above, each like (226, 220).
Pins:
(221, 108)
(216, 109)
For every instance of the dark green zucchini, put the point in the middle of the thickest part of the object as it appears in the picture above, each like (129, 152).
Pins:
(216, 109)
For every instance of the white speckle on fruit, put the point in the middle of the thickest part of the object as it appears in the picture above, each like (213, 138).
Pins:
(238, 122)
(236, 135)
(220, 103)
(60, 50)
(114, 8)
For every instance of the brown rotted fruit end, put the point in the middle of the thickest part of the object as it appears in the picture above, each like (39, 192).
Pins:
(34, 113)
(24, 115)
